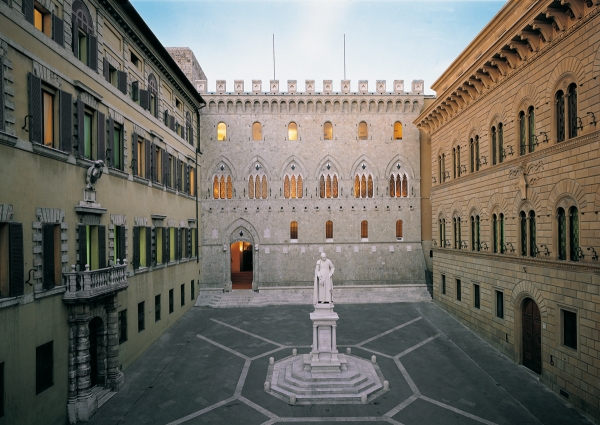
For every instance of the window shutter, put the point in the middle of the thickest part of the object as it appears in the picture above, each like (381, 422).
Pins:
(148, 170)
(150, 255)
(166, 244)
(75, 36)
(134, 153)
(145, 99)
(178, 243)
(172, 122)
(192, 141)
(35, 109)
(187, 179)
(178, 173)
(80, 128)
(82, 251)
(66, 121)
(101, 136)
(136, 248)
(122, 81)
(153, 170)
(27, 8)
(48, 256)
(110, 142)
(101, 247)
(16, 273)
(121, 235)
(93, 58)
(105, 69)
(135, 90)
(189, 242)
(2, 123)
(58, 30)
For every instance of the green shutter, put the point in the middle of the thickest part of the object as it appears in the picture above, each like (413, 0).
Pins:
(136, 248)
(35, 109)
(150, 258)
(16, 260)
(101, 247)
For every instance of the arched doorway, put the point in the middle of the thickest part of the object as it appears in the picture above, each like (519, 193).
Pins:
(241, 265)
(95, 329)
(532, 336)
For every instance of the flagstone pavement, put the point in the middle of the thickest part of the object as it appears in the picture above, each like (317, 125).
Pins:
(210, 368)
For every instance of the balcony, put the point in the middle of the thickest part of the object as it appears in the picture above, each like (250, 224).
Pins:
(89, 285)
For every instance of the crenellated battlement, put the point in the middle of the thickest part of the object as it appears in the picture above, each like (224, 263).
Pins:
(417, 88)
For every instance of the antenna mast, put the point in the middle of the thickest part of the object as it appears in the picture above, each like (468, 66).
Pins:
(273, 56)
(344, 56)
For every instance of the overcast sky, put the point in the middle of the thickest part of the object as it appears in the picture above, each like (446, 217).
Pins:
(385, 40)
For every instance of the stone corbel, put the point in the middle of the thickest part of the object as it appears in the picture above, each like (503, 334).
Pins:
(467, 88)
(457, 98)
(522, 49)
(511, 58)
(545, 29)
(502, 66)
(484, 78)
(533, 38)
(476, 83)
(576, 7)
(492, 72)
(560, 18)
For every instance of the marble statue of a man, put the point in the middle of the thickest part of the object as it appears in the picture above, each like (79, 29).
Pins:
(323, 284)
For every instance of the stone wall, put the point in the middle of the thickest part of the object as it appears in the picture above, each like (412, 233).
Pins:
(185, 58)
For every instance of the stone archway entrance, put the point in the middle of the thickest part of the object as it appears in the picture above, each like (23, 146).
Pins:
(532, 336)
(242, 266)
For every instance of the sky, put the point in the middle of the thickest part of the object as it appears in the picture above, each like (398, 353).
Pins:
(385, 39)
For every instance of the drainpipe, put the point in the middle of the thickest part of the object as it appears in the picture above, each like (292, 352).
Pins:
(197, 150)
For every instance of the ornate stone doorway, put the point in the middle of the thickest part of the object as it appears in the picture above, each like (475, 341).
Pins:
(532, 336)
(97, 352)
(242, 266)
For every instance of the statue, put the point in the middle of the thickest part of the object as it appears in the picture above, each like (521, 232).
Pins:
(93, 174)
(323, 292)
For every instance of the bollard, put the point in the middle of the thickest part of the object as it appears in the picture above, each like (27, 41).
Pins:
(294, 352)
(348, 350)
(363, 398)
(386, 385)
(272, 361)
(373, 359)
(292, 399)
(268, 386)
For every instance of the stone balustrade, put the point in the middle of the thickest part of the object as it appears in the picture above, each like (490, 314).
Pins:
(90, 284)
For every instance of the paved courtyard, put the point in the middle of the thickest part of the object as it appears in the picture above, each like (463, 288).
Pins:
(210, 368)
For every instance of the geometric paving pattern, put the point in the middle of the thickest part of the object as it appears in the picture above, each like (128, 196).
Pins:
(210, 367)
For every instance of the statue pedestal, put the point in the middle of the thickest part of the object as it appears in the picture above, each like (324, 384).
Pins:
(324, 356)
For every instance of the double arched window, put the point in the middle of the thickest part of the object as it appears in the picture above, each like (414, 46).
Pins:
(456, 162)
(456, 231)
(527, 140)
(257, 187)
(328, 186)
(363, 186)
(222, 187)
(568, 234)
(527, 233)
(221, 131)
(442, 168)
(292, 131)
(327, 131)
(474, 153)
(292, 186)
(442, 232)
(398, 186)
(363, 131)
(397, 130)
(257, 131)
(497, 141)
(566, 121)
(498, 245)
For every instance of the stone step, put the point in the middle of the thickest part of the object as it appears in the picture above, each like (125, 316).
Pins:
(295, 372)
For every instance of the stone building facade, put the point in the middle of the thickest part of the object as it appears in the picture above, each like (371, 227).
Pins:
(516, 191)
(291, 174)
(98, 217)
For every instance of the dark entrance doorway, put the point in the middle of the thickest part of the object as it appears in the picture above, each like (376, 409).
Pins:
(241, 265)
(532, 336)
(95, 328)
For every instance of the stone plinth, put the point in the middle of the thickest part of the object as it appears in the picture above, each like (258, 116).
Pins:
(324, 356)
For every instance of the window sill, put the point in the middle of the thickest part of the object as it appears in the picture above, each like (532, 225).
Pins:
(50, 152)
(364, 239)
(8, 139)
(49, 292)
(141, 270)
(8, 302)
(328, 240)
(171, 190)
(293, 240)
(184, 260)
(118, 173)
(141, 180)
(159, 266)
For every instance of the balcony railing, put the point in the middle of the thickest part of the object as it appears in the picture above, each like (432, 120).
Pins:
(90, 284)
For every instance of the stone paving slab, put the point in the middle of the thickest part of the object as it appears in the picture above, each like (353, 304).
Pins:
(210, 367)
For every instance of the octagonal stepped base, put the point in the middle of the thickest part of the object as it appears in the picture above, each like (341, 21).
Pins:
(289, 378)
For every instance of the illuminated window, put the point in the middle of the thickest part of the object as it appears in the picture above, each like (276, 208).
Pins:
(257, 187)
(397, 130)
(257, 131)
(399, 230)
(329, 230)
(48, 119)
(292, 131)
(363, 132)
(364, 229)
(222, 131)
(327, 131)
(398, 186)
(192, 181)
(294, 230)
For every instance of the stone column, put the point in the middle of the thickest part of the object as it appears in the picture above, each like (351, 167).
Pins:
(72, 370)
(114, 377)
(315, 350)
(334, 351)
